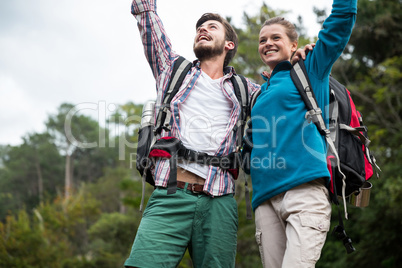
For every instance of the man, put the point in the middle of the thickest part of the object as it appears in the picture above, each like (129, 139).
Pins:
(204, 113)
(201, 215)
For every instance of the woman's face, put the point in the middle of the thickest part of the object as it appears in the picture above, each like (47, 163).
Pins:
(274, 45)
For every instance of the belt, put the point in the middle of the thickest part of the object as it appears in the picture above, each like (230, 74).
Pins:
(193, 187)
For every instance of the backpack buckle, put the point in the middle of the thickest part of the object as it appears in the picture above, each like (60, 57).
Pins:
(313, 115)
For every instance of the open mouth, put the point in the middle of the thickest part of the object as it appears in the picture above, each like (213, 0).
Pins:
(204, 37)
(270, 52)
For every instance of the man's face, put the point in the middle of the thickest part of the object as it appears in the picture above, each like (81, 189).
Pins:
(209, 40)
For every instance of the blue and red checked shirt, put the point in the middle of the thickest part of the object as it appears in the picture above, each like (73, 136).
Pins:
(161, 57)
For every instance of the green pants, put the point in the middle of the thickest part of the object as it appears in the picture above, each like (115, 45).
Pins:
(172, 223)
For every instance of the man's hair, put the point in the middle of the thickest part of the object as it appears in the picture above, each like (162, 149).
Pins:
(230, 34)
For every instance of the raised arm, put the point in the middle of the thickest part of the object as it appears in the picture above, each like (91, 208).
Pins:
(157, 46)
(334, 36)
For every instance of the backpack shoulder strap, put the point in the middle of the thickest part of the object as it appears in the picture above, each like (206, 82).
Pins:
(254, 99)
(241, 91)
(300, 78)
(180, 69)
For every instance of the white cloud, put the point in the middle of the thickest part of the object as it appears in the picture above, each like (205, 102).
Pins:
(19, 115)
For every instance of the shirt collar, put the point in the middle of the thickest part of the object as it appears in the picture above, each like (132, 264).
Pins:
(284, 65)
(227, 70)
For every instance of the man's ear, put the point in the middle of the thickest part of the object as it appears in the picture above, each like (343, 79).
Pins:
(229, 45)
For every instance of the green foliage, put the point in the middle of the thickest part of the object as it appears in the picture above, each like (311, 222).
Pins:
(112, 237)
(371, 70)
(84, 141)
(128, 117)
(70, 218)
(380, 91)
(377, 34)
(31, 172)
(247, 249)
(53, 234)
(133, 192)
(247, 60)
(24, 244)
(108, 189)
(376, 38)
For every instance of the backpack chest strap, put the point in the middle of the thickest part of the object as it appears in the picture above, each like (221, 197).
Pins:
(174, 150)
(224, 162)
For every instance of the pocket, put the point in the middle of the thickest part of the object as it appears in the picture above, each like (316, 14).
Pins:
(313, 235)
(258, 239)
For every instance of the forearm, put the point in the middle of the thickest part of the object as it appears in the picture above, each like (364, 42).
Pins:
(339, 25)
(157, 46)
(335, 35)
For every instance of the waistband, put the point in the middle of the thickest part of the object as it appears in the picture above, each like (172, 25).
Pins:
(193, 188)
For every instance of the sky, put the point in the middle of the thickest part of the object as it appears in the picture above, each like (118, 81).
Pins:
(89, 53)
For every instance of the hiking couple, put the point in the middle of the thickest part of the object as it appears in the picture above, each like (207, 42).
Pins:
(292, 211)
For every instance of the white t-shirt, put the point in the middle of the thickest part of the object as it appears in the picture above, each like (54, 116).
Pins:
(204, 117)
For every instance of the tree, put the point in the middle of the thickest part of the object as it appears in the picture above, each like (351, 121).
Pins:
(79, 138)
(55, 235)
(30, 172)
(247, 60)
(111, 238)
(377, 35)
(41, 154)
(126, 120)
(109, 188)
(25, 244)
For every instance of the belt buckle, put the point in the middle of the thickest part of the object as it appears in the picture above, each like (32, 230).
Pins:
(193, 188)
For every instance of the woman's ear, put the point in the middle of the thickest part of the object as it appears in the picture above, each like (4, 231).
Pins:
(293, 47)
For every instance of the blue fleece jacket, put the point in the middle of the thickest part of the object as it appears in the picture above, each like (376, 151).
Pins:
(288, 150)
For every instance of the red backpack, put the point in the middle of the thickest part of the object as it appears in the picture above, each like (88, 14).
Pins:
(348, 156)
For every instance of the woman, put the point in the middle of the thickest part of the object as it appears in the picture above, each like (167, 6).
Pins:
(290, 199)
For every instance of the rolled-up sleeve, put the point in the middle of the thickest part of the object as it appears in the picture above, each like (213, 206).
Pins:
(139, 6)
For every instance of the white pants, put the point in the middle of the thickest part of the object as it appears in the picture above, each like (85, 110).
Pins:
(291, 227)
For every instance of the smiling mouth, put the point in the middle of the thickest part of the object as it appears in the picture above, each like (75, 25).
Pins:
(203, 38)
(270, 52)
